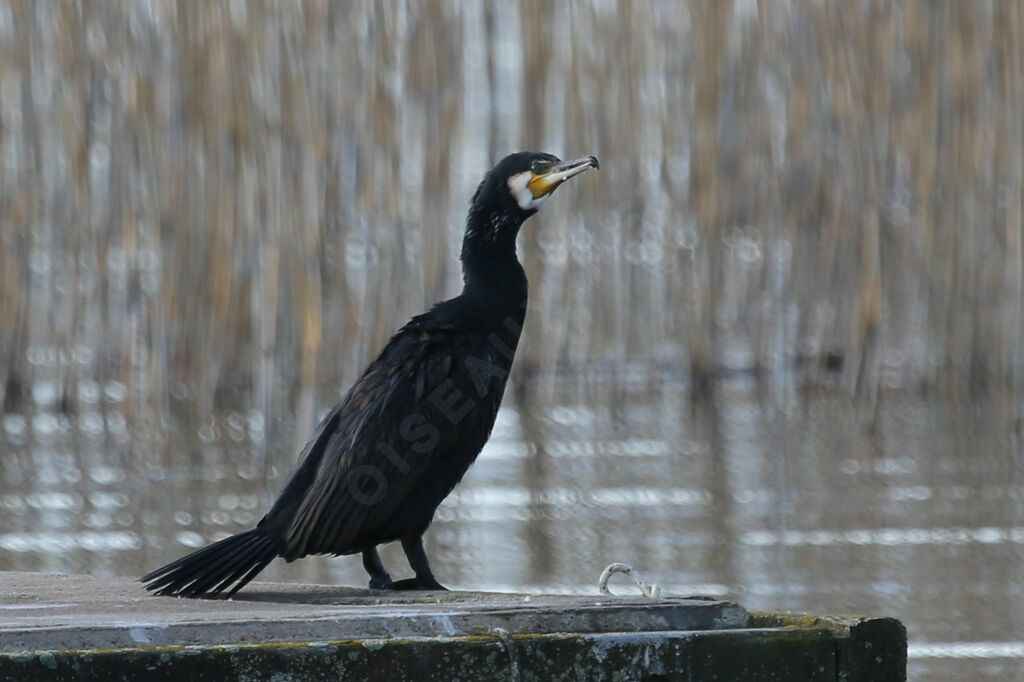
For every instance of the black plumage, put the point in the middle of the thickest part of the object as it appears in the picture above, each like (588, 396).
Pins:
(386, 456)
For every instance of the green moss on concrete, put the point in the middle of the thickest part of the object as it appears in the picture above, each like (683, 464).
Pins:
(866, 648)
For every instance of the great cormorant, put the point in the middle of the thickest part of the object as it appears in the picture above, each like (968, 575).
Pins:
(386, 456)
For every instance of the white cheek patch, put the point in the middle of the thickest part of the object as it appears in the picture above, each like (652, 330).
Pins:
(518, 185)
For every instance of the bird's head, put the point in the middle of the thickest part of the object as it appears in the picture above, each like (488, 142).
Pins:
(514, 190)
(523, 181)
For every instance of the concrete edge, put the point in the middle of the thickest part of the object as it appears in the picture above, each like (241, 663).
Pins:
(327, 623)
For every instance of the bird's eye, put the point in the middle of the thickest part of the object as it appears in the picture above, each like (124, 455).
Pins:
(540, 167)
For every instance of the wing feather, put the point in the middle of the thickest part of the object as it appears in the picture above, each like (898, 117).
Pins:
(366, 466)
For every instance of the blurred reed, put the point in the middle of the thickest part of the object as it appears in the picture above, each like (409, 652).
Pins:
(200, 200)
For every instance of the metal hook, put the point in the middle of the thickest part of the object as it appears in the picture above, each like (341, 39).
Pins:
(652, 591)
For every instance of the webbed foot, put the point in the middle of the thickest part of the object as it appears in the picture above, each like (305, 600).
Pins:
(381, 582)
(417, 584)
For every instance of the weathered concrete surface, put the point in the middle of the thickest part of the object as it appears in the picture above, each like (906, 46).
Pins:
(57, 627)
(48, 611)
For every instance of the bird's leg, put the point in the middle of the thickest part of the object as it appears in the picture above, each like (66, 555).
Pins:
(424, 580)
(379, 578)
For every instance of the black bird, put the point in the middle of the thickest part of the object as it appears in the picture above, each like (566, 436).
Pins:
(386, 456)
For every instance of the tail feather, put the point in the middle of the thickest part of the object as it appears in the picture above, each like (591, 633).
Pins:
(230, 563)
(222, 568)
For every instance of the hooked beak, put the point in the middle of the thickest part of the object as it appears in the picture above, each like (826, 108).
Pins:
(545, 183)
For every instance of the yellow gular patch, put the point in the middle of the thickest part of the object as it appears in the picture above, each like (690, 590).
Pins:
(541, 186)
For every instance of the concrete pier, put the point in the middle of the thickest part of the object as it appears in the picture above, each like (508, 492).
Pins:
(61, 627)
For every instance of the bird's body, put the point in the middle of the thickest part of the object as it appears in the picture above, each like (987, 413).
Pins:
(384, 458)
(440, 379)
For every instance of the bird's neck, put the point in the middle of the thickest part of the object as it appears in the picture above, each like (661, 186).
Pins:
(491, 272)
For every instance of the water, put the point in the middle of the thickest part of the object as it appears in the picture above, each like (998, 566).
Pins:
(773, 349)
(809, 504)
